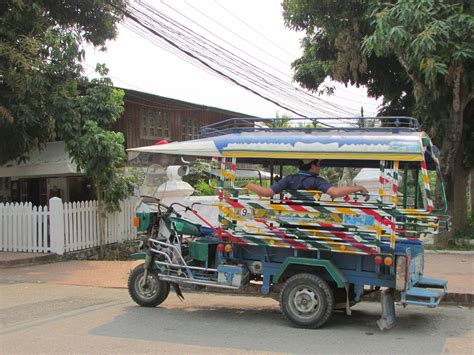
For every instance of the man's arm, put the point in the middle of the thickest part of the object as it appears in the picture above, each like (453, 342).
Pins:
(260, 190)
(345, 190)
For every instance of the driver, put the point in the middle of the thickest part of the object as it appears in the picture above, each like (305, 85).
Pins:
(306, 179)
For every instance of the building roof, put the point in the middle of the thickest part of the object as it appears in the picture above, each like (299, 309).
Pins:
(53, 160)
(184, 104)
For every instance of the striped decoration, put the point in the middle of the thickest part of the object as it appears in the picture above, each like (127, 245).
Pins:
(426, 183)
(304, 220)
(395, 183)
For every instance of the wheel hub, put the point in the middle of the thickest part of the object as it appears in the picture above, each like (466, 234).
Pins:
(305, 301)
(149, 288)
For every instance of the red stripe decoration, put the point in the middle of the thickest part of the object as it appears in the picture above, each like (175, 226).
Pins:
(227, 236)
(363, 248)
(234, 204)
(374, 214)
(328, 225)
(295, 244)
(280, 233)
(336, 233)
(379, 218)
(298, 208)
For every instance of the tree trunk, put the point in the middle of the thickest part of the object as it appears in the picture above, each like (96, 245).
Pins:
(452, 157)
(456, 190)
(461, 175)
(472, 194)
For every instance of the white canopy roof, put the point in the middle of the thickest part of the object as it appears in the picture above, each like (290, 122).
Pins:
(405, 146)
(53, 160)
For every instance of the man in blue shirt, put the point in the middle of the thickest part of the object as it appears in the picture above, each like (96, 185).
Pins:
(306, 179)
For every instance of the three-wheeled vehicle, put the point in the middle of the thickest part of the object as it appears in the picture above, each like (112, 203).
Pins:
(318, 253)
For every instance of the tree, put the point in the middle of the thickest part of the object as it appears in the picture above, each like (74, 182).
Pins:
(332, 48)
(434, 42)
(280, 121)
(44, 95)
(417, 54)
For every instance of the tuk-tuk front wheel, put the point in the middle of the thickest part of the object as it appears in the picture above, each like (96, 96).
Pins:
(150, 292)
(306, 300)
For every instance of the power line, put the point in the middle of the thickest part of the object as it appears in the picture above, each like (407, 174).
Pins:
(319, 100)
(235, 34)
(171, 43)
(252, 28)
(207, 49)
(270, 41)
(182, 41)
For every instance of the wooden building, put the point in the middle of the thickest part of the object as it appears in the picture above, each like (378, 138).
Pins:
(146, 119)
(149, 118)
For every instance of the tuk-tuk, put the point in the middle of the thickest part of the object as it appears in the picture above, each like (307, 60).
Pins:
(317, 252)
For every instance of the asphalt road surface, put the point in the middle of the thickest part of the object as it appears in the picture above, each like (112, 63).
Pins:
(48, 318)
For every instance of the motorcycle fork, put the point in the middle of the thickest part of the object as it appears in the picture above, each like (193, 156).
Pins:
(147, 266)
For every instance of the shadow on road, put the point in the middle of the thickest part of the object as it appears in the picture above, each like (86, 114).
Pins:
(265, 329)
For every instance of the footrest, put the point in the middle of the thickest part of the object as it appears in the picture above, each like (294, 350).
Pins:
(425, 282)
(422, 296)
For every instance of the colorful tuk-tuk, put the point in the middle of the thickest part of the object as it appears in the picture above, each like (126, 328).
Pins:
(317, 252)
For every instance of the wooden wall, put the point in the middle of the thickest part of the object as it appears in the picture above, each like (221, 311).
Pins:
(178, 111)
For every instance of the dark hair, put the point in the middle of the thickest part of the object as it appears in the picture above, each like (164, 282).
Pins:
(306, 167)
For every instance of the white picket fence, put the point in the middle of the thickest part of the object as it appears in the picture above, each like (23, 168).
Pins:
(24, 227)
(62, 227)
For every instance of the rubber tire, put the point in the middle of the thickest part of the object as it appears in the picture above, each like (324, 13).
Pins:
(322, 292)
(162, 292)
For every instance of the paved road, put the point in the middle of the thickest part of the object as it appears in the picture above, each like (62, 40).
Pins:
(51, 318)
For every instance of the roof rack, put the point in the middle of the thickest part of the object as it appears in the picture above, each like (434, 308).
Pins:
(393, 124)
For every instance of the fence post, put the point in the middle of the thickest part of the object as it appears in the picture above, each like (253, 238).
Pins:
(56, 223)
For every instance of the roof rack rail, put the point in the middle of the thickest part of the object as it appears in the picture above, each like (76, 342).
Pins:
(393, 124)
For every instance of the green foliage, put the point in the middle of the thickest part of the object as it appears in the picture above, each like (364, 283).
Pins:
(418, 55)
(332, 48)
(96, 150)
(44, 95)
(198, 178)
(427, 35)
(202, 188)
(280, 121)
(432, 40)
(40, 70)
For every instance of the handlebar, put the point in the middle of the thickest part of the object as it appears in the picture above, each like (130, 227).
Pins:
(169, 209)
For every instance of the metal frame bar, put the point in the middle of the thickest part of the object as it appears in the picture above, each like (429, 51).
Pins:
(235, 125)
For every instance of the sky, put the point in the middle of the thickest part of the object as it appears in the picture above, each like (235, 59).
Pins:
(254, 30)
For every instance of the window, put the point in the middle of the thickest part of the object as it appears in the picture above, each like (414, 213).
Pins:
(189, 128)
(154, 123)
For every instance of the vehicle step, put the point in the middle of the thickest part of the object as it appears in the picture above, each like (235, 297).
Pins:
(425, 282)
(422, 296)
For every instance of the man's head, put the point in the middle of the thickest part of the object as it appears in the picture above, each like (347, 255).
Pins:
(310, 165)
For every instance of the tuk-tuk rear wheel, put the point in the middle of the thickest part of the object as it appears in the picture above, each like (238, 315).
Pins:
(150, 293)
(306, 300)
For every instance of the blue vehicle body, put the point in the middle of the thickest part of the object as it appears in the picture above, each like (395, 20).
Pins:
(320, 253)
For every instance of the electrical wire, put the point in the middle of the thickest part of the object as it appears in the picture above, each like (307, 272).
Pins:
(155, 26)
(327, 113)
